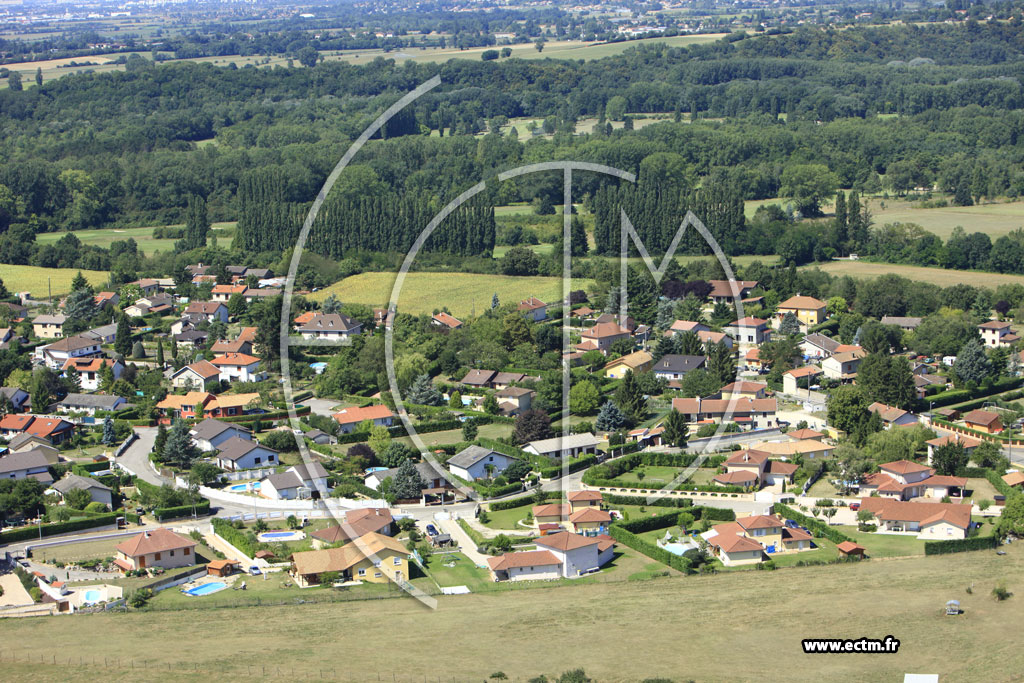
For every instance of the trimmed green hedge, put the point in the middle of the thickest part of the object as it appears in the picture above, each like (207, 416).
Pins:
(641, 545)
(817, 526)
(638, 526)
(576, 465)
(235, 537)
(945, 398)
(960, 545)
(83, 469)
(615, 499)
(201, 508)
(28, 533)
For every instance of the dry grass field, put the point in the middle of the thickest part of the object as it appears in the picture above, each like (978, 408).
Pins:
(40, 281)
(460, 292)
(679, 628)
(936, 276)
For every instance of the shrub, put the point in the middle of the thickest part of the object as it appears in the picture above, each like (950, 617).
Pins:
(960, 545)
(1001, 593)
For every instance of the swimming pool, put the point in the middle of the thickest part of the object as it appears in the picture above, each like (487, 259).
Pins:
(92, 596)
(253, 485)
(206, 588)
(281, 536)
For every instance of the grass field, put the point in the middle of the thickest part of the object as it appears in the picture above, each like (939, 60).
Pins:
(142, 236)
(884, 545)
(994, 220)
(460, 292)
(935, 276)
(40, 281)
(76, 552)
(632, 630)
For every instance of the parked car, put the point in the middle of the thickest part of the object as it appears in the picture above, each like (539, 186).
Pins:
(254, 570)
(855, 506)
(431, 530)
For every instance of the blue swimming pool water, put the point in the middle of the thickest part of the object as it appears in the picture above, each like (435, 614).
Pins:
(92, 596)
(206, 588)
(278, 534)
(245, 487)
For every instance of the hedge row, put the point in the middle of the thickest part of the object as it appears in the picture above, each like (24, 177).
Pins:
(651, 550)
(201, 508)
(999, 485)
(28, 533)
(640, 500)
(638, 526)
(83, 469)
(576, 465)
(815, 525)
(424, 428)
(945, 398)
(272, 415)
(235, 537)
(960, 545)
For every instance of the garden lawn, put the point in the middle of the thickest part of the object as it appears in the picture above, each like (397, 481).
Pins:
(981, 489)
(507, 519)
(76, 552)
(884, 545)
(660, 475)
(464, 573)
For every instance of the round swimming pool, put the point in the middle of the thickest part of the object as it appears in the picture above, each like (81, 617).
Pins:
(92, 596)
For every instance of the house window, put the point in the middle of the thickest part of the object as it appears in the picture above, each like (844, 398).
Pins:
(376, 563)
(156, 556)
(377, 575)
(257, 460)
(362, 572)
(397, 561)
(172, 553)
(188, 551)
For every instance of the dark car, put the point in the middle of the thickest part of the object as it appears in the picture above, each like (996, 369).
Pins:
(431, 530)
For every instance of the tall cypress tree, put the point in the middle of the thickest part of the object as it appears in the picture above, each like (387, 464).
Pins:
(123, 336)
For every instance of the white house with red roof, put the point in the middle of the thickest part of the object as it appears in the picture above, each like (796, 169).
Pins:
(905, 480)
(351, 418)
(749, 331)
(757, 413)
(929, 521)
(533, 308)
(446, 321)
(578, 555)
(966, 442)
(88, 370)
(239, 367)
(997, 333)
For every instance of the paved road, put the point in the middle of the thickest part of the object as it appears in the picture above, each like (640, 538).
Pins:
(136, 457)
(466, 544)
(321, 406)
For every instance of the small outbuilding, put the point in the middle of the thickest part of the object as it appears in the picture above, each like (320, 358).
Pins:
(221, 568)
(850, 549)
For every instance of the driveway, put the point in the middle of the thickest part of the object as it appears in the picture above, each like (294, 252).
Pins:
(14, 593)
(466, 544)
(136, 458)
(321, 406)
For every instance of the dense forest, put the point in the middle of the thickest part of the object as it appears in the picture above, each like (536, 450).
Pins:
(795, 115)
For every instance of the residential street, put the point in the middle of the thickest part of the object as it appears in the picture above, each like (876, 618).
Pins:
(136, 458)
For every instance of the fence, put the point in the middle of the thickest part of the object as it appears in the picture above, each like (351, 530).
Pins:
(176, 579)
(124, 446)
(248, 474)
(631, 491)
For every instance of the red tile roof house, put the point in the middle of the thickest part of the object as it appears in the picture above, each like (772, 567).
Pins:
(357, 523)
(602, 335)
(905, 480)
(446, 321)
(997, 333)
(758, 413)
(533, 308)
(53, 430)
(578, 555)
(88, 370)
(331, 326)
(156, 548)
(929, 521)
(239, 367)
(351, 418)
(749, 331)
(752, 468)
(984, 420)
(196, 376)
(529, 565)
(725, 291)
(747, 539)
(210, 310)
(892, 415)
(967, 442)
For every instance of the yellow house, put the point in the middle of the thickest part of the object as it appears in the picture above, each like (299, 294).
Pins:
(579, 500)
(552, 513)
(734, 542)
(372, 557)
(590, 519)
(638, 361)
(807, 309)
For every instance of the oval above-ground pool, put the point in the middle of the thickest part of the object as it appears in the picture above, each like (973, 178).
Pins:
(269, 536)
(206, 588)
(92, 596)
